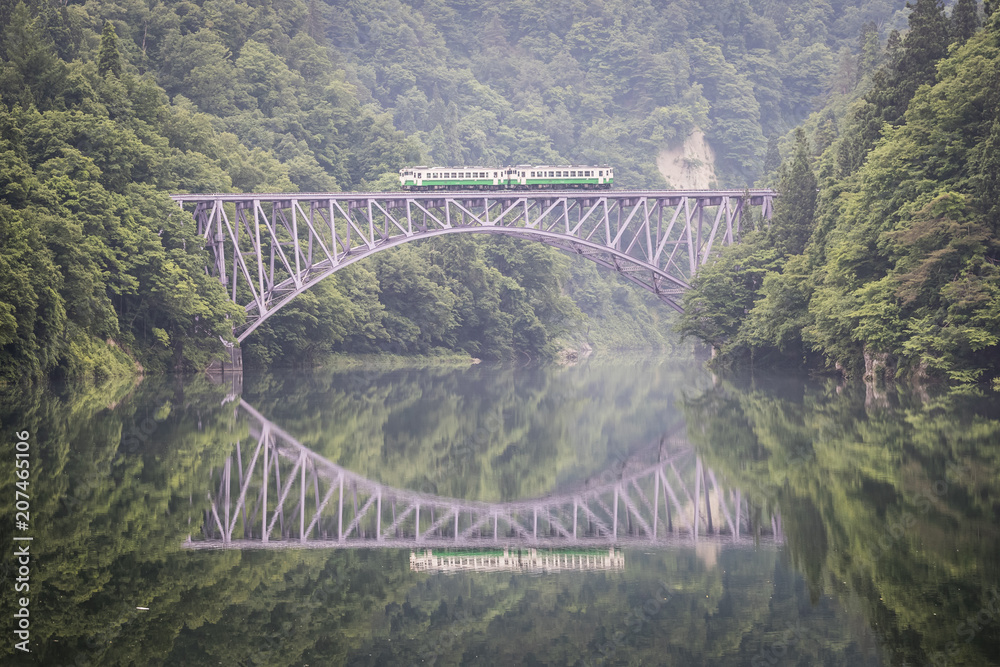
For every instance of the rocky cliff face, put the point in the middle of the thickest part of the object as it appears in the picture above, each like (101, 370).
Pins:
(690, 166)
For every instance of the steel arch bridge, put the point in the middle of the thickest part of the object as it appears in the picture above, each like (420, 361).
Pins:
(273, 492)
(269, 248)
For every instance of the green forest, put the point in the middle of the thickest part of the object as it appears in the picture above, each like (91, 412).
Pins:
(107, 106)
(881, 259)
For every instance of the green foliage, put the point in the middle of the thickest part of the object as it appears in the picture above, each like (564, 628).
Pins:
(919, 213)
(108, 59)
(893, 260)
(795, 209)
(492, 298)
(964, 20)
(870, 488)
(724, 291)
(746, 299)
(106, 106)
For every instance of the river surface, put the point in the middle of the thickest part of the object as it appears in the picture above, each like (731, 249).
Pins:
(622, 511)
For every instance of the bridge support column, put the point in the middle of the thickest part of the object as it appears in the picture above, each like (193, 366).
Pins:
(231, 362)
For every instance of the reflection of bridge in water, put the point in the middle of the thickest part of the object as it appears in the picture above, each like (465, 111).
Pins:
(276, 493)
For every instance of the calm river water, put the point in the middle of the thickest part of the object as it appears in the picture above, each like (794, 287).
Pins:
(622, 511)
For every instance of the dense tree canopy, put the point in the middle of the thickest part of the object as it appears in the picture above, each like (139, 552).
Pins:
(107, 106)
(900, 271)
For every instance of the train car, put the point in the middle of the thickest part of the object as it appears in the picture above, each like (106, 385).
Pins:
(454, 178)
(556, 177)
(521, 177)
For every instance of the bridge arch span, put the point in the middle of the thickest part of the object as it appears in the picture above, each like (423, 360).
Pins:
(275, 246)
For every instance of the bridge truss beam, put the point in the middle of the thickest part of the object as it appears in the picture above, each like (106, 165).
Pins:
(273, 492)
(269, 248)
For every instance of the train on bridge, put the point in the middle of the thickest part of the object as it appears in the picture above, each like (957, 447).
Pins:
(521, 177)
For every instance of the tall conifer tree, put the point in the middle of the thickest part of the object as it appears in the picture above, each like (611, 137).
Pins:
(964, 20)
(772, 160)
(924, 44)
(109, 59)
(795, 209)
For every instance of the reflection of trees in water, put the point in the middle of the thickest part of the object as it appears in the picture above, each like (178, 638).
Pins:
(113, 487)
(481, 433)
(897, 501)
(112, 521)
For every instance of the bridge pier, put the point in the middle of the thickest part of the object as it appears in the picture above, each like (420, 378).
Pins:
(232, 362)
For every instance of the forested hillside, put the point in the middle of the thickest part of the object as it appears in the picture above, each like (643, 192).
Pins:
(106, 106)
(882, 255)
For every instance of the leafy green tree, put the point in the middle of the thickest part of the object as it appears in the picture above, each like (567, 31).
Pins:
(779, 316)
(724, 291)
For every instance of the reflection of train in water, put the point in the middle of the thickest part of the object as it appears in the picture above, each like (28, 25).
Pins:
(521, 177)
(516, 560)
